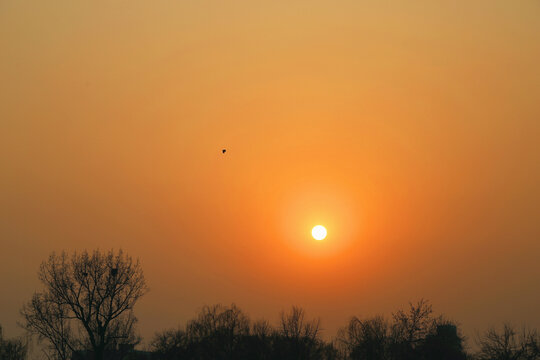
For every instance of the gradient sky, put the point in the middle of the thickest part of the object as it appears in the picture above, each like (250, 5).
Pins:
(411, 129)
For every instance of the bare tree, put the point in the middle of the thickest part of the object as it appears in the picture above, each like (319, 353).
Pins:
(366, 339)
(87, 302)
(12, 349)
(293, 325)
(415, 324)
(218, 332)
(410, 334)
(221, 320)
(508, 344)
(261, 329)
(170, 344)
(298, 338)
(49, 321)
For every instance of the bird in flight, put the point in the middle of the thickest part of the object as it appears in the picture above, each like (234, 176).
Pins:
(223, 151)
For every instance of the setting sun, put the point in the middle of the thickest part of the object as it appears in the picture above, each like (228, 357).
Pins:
(318, 232)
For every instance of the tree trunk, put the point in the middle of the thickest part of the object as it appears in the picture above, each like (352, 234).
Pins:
(99, 352)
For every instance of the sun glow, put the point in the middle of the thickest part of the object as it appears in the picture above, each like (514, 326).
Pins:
(318, 232)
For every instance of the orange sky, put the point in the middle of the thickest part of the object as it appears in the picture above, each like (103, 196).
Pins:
(410, 129)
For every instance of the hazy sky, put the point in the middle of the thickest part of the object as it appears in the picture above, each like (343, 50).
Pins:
(410, 129)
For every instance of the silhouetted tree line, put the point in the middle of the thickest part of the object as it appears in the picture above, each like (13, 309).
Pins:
(225, 332)
(85, 311)
(408, 335)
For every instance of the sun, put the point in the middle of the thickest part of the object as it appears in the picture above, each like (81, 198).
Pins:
(318, 232)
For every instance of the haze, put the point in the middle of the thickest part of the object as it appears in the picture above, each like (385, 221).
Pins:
(409, 129)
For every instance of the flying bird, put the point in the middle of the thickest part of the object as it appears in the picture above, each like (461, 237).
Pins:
(223, 151)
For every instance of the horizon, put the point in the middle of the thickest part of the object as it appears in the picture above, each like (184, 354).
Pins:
(410, 131)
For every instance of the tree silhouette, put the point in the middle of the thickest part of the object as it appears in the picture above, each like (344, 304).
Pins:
(86, 309)
(50, 321)
(297, 338)
(87, 302)
(444, 344)
(367, 339)
(170, 344)
(225, 332)
(412, 334)
(217, 332)
(13, 349)
(508, 344)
